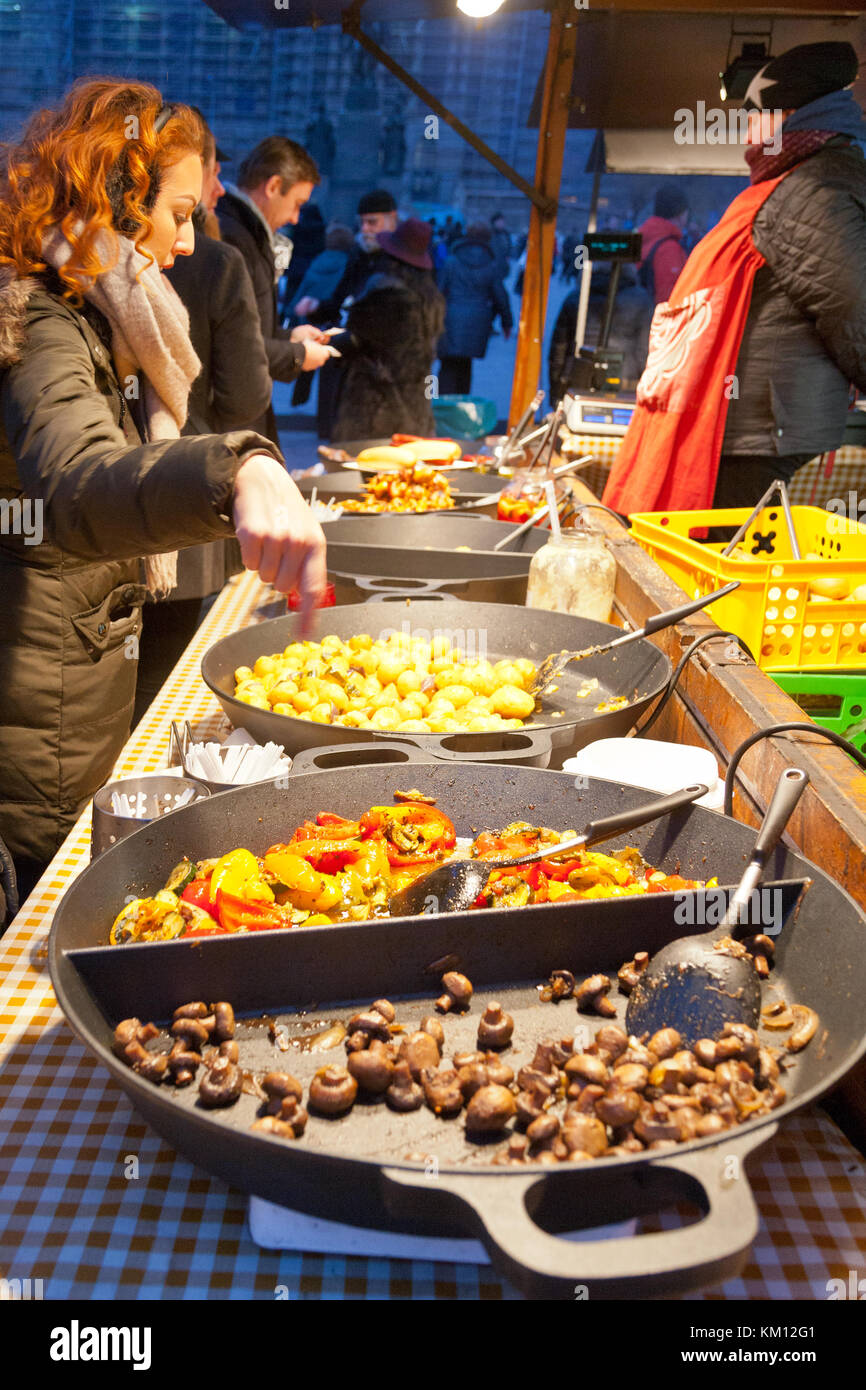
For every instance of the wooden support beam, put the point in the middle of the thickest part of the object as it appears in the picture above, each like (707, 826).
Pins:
(552, 128)
(542, 202)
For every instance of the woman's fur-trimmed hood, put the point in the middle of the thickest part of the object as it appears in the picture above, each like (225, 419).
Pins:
(14, 296)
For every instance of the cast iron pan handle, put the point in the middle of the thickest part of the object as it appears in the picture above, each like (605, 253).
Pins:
(337, 755)
(516, 745)
(617, 824)
(497, 1210)
(676, 615)
(382, 589)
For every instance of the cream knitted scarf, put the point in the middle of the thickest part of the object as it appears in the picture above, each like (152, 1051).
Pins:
(150, 335)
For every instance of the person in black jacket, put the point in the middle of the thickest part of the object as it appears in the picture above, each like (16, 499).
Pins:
(232, 390)
(274, 182)
(390, 342)
(471, 282)
(805, 334)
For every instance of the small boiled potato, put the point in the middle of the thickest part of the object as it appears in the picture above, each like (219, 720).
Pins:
(391, 665)
(449, 726)
(512, 702)
(251, 687)
(304, 701)
(414, 726)
(448, 675)
(858, 595)
(257, 702)
(481, 676)
(386, 717)
(265, 666)
(479, 704)
(386, 698)
(441, 663)
(481, 724)
(439, 708)
(353, 719)
(321, 714)
(243, 673)
(409, 709)
(459, 695)
(440, 646)
(334, 694)
(508, 674)
(361, 643)
(526, 668)
(408, 680)
(283, 693)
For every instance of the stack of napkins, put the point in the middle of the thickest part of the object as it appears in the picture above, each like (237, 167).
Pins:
(239, 760)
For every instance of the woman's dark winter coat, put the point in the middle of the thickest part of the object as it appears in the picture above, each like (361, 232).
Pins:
(392, 329)
(471, 282)
(71, 608)
(805, 336)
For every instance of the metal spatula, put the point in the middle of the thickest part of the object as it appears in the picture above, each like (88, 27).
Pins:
(454, 886)
(552, 666)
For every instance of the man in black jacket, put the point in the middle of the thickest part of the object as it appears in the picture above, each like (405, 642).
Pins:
(274, 182)
(805, 336)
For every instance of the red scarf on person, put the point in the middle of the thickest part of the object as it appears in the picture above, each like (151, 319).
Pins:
(669, 458)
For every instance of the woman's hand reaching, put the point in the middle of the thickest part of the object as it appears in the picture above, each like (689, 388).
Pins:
(278, 534)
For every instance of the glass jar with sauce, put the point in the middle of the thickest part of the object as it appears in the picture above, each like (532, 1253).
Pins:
(575, 574)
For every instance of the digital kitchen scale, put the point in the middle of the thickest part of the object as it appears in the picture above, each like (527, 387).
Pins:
(596, 414)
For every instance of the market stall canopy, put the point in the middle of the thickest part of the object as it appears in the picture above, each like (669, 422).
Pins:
(274, 14)
(636, 71)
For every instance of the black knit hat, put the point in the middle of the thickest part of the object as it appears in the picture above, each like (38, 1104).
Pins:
(380, 200)
(801, 75)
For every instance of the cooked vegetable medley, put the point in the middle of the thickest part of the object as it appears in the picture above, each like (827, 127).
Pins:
(335, 870)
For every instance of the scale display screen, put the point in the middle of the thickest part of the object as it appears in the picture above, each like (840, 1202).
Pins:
(611, 415)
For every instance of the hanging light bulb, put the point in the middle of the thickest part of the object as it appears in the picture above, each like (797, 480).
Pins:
(479, 9)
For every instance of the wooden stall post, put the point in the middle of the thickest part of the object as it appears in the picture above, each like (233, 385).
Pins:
(552, 127)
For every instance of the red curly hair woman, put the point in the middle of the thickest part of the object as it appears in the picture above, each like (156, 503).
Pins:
(95, 370)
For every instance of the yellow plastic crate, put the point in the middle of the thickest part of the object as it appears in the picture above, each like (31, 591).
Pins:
(786, 627)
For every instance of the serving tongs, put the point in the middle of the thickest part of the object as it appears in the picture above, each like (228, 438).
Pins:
(553, 665)
(493, 497)
(777, 486)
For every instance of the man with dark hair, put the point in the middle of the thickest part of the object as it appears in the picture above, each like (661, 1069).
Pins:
(274, 182)
(663, 254)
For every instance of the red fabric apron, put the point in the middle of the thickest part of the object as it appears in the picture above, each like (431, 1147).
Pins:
(669, 459)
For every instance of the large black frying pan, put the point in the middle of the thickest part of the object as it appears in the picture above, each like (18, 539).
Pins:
(566, 723)
(466, 485)
(414, 555)
(414, 1173)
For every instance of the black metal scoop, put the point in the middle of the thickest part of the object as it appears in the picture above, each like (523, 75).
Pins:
(696, 989)
(454, 886)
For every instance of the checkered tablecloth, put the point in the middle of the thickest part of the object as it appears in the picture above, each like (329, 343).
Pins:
(97, 1206)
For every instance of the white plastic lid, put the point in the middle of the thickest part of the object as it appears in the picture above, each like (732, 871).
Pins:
(660, 767)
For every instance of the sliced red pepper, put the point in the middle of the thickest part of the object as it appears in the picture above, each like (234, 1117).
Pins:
(254, 915)
(559, 869)
(198, 893)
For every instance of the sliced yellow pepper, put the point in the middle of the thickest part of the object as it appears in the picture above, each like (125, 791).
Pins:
(238, 873)
(307, 888)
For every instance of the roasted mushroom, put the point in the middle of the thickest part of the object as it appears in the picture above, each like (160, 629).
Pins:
(458, 992)
(442, 1090)
(372, 1068)
(333, 1091)
(490, 1109)
(495, 1027)
(591, 996)
(220, 1085)
(404, 1093)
